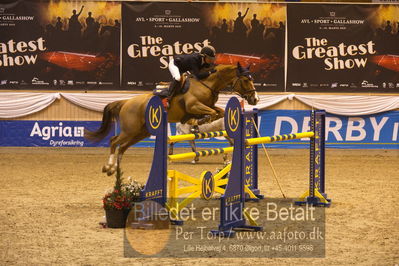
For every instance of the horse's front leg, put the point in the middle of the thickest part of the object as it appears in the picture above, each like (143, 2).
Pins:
(226, 160)
(194, 149)
(171, 145)
(225, 155)
(198, 108)
(220, 112)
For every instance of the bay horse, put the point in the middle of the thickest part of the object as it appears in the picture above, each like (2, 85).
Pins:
(195, 107)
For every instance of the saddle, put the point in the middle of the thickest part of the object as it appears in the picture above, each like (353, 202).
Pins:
(182, 87)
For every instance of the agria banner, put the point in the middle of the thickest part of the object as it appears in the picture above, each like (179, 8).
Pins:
(379, 131)
(48, 133)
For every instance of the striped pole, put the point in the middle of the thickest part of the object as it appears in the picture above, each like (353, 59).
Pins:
(255, 141)
(249, 142)
(192, 155)
(205, 135)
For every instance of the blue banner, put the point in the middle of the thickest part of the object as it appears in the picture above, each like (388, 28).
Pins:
(48, 133)
(380, 131)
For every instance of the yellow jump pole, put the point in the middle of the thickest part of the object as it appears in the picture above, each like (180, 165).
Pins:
(255, 141)
(177, 138)
(192, 155)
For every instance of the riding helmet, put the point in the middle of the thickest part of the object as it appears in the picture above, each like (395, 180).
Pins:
(208, 51)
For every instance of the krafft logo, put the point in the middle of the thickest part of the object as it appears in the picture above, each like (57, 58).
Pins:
(233, 118)
(155, 117)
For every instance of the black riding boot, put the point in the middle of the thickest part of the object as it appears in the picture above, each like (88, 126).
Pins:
(172, 88)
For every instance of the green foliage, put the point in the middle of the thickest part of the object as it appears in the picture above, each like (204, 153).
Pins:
(123, 195)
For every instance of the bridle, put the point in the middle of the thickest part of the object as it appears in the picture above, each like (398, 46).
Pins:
(238, 79)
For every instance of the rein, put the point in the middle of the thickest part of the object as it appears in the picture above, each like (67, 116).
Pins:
(214, 93)
(232, 91)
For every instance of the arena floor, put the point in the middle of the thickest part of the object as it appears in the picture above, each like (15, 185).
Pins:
(51, 205)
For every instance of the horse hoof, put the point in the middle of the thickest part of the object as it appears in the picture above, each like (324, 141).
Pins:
(105, 168)
(193, 161)
(195, 129)
(111, 171)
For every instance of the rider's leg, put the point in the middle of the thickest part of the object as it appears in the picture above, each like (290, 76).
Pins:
(174, 70)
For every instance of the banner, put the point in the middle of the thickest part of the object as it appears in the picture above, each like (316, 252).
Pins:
(17, 133)
(341, 48)
(252, 34)
(380, 131)
(59, 44)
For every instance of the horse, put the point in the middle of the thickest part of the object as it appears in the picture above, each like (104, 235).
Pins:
(217, 125)
(195, 107)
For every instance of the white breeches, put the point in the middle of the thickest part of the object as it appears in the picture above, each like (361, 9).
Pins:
(174, 70)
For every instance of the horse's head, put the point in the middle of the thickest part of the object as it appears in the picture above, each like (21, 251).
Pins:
(244, 85)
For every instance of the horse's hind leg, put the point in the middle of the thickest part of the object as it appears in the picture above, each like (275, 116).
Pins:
(111, 160)
(111, 166)
(125, 145)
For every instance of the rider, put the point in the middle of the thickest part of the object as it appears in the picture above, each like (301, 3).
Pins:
(194, 63)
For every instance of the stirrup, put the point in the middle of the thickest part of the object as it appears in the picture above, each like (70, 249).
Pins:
(165, 102)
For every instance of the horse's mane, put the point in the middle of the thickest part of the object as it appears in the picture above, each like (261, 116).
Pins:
(244, 71)
(223, 67)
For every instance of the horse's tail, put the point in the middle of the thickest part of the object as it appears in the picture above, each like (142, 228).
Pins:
(111, 112)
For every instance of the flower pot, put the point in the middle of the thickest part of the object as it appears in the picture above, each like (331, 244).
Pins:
(116, 218)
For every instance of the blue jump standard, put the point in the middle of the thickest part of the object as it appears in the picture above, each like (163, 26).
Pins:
(232, 202)
(157, 125)
(317, 163)
(244, 170)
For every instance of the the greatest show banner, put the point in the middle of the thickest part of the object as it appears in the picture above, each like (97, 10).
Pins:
(250, 33)
(59, 44)
(337, 47)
